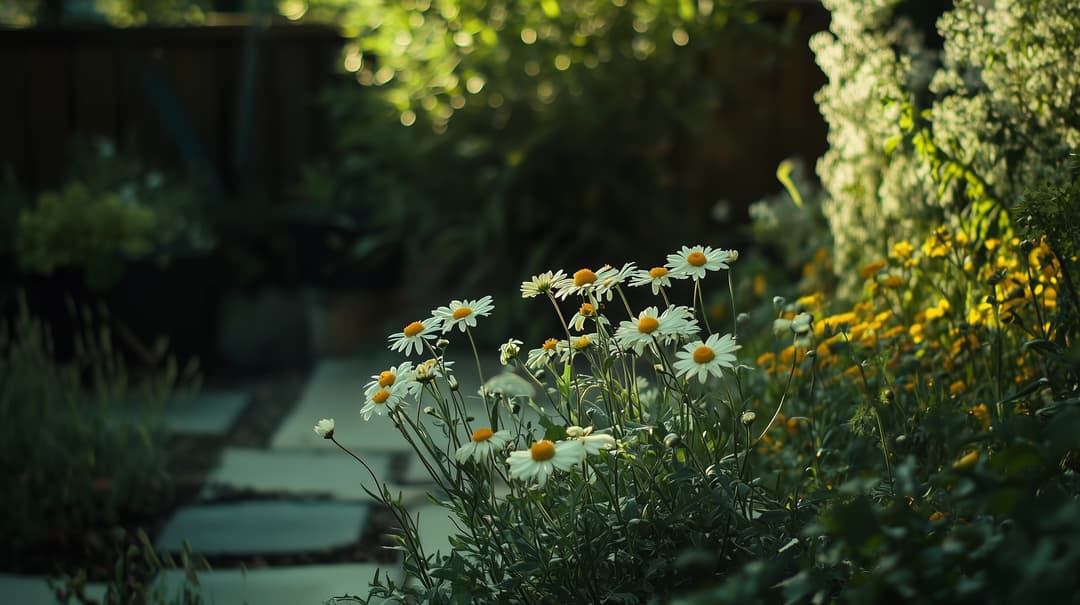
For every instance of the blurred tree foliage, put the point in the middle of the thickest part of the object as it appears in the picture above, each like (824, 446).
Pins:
(484, 133)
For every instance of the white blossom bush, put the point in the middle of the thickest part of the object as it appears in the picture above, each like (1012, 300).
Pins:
(918, 137)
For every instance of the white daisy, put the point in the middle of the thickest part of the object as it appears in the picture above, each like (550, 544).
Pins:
(483, 444)
(586, 281)
(538, 358)
(541, 284)
(678, 323)
(640, 333)
(463, 313)
(383, 400)
(509, 351)
(403, 375)
(608, 282)
(657, 277)
(543, 458)
(695, 262)
(413, 336)
(325, 428)
(709, 357)
(586, 311)
(594, 444)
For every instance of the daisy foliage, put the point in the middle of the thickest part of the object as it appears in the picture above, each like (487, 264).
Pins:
(625, 431)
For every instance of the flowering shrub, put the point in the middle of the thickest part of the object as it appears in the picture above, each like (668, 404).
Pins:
(635, 454)
(825, 453)
(920, 136)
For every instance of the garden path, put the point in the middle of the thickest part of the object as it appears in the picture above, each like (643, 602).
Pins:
(299, 495)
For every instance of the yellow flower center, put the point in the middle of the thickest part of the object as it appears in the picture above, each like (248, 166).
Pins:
(647, 325)
(482, 434)
(581, 343)
(387, 379)
(461, 312)
(381, 396)
(413, 329)
(542, 450)
(703, 354)
(550, 344)
(657, 272)
(696, 258)
(587, 310)
(584, 276)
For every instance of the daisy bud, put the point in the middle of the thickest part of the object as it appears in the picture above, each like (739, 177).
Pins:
(452, 383)
(778, 301)
(672, 440)
(742, 318)
(509, 351)
(442, 343)
(748, 418)
(430, 411)
(733, 255)
(801, 323)
(325, 428)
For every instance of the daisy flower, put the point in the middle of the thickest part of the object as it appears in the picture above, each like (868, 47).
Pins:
(385, 399)
(509, 351)
(414, 335)
(586, 281)
(538, 358)
(325, 428)
(428, 370)
(640, 333)
(541, 284)
(402, 375)
(695, 262)
(463, 313)
(678, 322)
(657, 277)
(593, 443)
(543, 458)
(587, 311)
(709, 357)
(483, 444)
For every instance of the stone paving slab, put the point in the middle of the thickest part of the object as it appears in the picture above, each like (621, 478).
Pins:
(265, 527)
(34, 590)
(299, 472)
(210, 412)
(335, 390)
(300, 585)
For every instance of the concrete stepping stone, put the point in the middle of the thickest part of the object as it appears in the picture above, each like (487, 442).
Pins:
(34, 590)
(300, 472)
(265, 527)
(436, 526)
(211, 412)
(283, 585)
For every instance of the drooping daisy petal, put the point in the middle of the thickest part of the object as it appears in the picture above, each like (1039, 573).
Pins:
(412, 337)
(543, 458)
(483, 444)
(541, 284)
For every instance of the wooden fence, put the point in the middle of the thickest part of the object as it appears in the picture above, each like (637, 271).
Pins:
(237, 101)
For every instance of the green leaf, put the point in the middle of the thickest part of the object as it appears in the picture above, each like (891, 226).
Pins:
(783, 174)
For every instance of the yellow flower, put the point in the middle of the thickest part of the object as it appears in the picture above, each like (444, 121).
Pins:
(902, 250)
(938, 310)
(966, 460)
(957, 387)
(872, 269)
(982, 414)
(937, 516)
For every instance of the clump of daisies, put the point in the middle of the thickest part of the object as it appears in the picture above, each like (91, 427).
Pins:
(561, 482)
